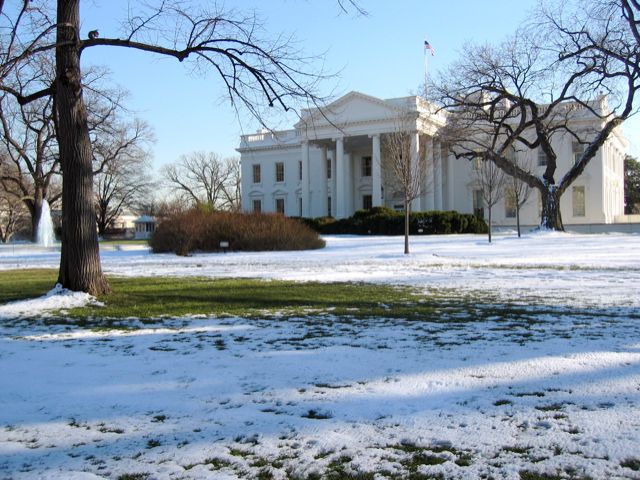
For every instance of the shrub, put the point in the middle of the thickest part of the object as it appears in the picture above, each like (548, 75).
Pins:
(384, 221)
(201, 230)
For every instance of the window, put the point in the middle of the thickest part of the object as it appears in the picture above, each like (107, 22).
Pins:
(328, 168)
(510, 205)
(478, 204)
(257, 206)
(280, 205)
(578, 150)
(256, 173)
(300, 207)
(279, 172)
(542, 158)
(578, 201)
(367, 202)
(328, 206)
(366, 166)
(300, 171)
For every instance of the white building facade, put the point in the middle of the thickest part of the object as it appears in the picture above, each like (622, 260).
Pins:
(331, 164)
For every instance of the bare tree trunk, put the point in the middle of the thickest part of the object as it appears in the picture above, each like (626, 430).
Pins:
(551, 218)
(80, 258)
(407, 207)
(518, 216)
(490, 226)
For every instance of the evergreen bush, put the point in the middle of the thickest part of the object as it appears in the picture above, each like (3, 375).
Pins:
(200, 230)
(385, 221)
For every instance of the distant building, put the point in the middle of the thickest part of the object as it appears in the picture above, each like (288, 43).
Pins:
(330, 164)
(145, 226)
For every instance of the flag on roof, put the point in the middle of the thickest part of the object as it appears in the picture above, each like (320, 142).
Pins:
(427, 46)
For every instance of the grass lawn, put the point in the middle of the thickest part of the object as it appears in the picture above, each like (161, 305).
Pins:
(152, 297)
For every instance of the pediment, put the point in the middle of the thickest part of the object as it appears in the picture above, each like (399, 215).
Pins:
(351, 108)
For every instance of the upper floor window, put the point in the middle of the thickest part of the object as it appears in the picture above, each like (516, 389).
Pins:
(256, 173)
(366, 166)
(578, 150)
(328, 168)
(279, 172)
(300, 171)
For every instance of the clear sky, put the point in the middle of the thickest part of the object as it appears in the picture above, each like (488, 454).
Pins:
(380, 54)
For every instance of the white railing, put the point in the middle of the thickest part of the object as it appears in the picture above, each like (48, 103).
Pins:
(268, 137)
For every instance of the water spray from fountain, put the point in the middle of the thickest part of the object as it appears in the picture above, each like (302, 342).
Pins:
(44, 230)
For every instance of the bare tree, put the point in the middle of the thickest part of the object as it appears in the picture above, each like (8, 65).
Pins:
(28, 138)
(404, 163)
(539, 88)
(516, 191)
(13, 213)
(204, 178)
(233, 187)
(123, 179)
(490, 181)
(255, 71)
(28, 135)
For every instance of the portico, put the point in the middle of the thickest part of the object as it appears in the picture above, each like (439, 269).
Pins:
(342, 158)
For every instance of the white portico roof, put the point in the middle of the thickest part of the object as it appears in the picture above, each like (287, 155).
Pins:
(353, 114)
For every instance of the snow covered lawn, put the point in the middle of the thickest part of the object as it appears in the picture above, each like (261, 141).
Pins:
(549, 385)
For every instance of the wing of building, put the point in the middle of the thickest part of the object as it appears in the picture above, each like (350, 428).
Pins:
(331, 164)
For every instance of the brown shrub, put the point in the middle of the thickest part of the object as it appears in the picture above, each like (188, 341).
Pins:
(197, 230)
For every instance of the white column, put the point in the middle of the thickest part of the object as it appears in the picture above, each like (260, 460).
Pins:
(333, 183)
(430, 176)
(437, 188)
(323, 183)
(376, 178)
(348, 184)
(415, 151)
(340, 183)
(450, 187)
(306, 212)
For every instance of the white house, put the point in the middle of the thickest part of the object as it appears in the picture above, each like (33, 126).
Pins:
(330, 164)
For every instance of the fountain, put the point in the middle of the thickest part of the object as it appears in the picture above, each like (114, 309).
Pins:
(44, 231)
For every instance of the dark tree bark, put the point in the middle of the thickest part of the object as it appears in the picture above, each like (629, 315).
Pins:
(80, 268)
(407, 217)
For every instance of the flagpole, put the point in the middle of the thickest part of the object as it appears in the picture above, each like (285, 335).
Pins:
(426, 70)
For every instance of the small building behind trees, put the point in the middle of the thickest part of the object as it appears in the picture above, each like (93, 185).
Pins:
(145, 225)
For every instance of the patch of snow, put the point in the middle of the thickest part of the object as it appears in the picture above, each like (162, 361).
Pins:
(56, 299)
(552, 388)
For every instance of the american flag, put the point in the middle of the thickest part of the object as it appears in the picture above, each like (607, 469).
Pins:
(427, 46)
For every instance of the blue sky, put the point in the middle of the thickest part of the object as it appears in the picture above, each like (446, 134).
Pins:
(380, 54)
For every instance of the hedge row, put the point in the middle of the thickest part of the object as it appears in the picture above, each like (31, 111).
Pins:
(384, 221)
(197, 230)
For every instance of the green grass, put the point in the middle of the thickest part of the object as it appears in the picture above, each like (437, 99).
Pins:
(152, 297)
(21, 284)
(155, 297)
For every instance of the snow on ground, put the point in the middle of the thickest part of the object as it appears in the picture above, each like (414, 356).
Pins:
(551, 387)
